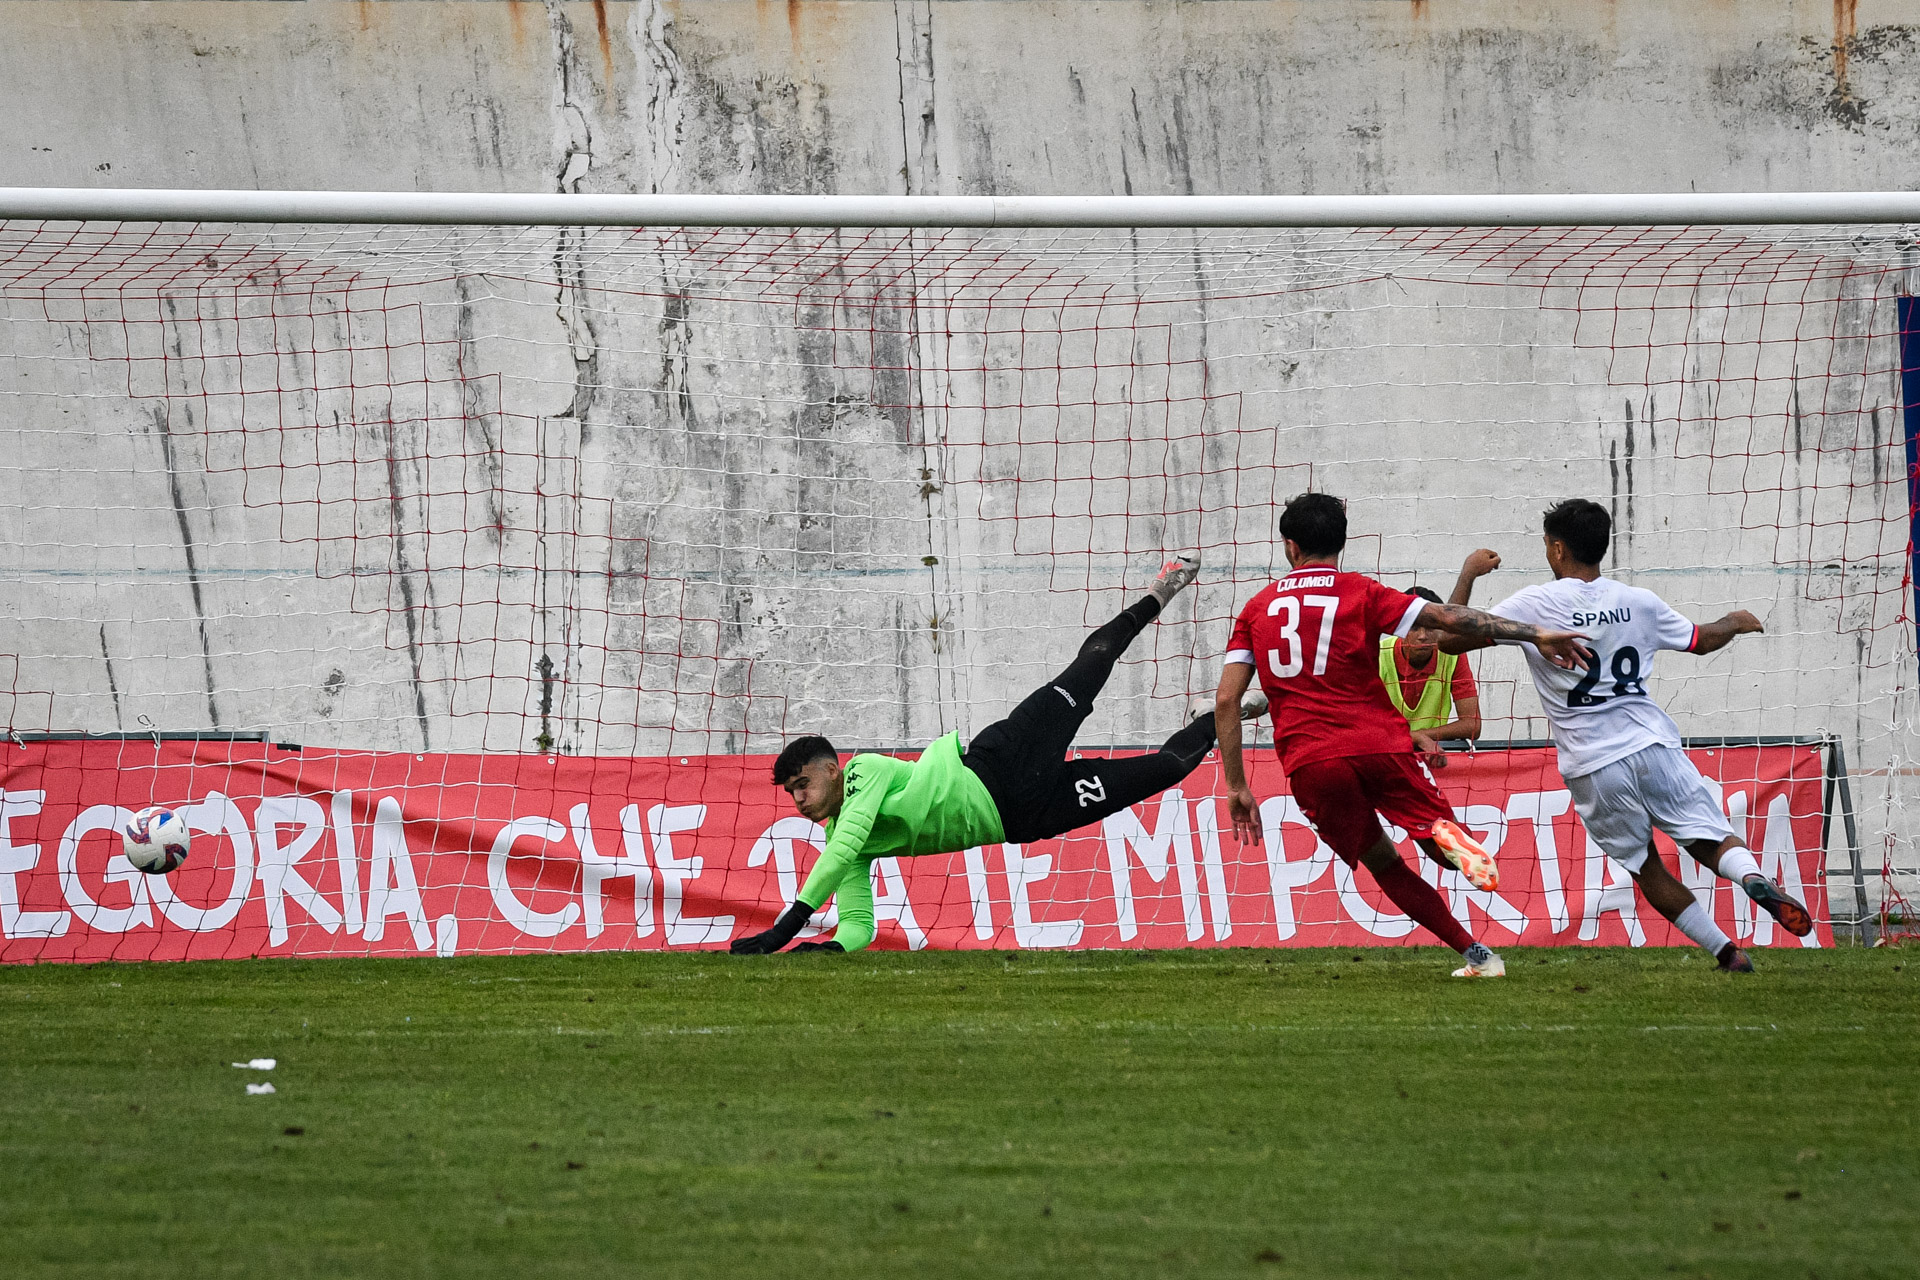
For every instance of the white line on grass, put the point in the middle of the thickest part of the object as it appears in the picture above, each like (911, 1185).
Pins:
(1020, 1028)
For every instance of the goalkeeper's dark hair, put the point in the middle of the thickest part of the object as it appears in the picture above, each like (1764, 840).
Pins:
(1426, 593)
(800, 753)
(1584, 526)
(1316, 523)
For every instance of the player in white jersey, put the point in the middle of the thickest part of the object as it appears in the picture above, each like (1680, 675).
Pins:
(1619, 752)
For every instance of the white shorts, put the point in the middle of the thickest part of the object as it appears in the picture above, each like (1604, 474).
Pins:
(1656, 786)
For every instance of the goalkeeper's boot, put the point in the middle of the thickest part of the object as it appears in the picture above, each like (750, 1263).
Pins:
(1481, 963)
(1733, 960)
(1176, 575)
(1464, 853)
(1779, 904)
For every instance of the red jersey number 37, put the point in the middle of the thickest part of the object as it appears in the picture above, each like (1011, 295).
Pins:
(1289, 657)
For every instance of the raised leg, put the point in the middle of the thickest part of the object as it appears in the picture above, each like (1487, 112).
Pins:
(1085, 791)
(1021, 759)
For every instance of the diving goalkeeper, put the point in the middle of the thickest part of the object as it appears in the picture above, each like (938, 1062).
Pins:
(1013, 783)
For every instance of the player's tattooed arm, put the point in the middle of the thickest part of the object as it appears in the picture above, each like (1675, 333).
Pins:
(1719, 633)
(1472, 629)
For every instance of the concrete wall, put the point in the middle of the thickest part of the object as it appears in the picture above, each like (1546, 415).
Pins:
(1316, 96)
(714, 523)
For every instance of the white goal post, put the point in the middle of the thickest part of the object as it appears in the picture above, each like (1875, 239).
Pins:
(492, 209)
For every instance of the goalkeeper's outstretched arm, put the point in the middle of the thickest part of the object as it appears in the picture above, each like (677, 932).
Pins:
(845, 880)
(821, 792)
(791, 921)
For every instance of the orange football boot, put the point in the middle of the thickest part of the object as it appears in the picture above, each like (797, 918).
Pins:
(1465, 853)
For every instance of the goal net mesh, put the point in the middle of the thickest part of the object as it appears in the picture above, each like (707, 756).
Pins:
(679, 495)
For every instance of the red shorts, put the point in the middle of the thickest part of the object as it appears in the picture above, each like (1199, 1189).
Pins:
(1341, 796)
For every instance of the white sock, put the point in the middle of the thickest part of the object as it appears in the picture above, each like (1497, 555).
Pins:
(1737, 864)
(1698, 925)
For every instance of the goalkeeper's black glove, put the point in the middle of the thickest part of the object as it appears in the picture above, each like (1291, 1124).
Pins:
(828, 945)
(790, 922)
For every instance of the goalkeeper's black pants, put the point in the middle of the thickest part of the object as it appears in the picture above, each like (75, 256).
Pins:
(1022, 759)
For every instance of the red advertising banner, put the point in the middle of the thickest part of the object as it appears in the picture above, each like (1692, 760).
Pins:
(319, 852)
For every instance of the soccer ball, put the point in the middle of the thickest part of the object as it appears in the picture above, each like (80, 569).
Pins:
(155, 839)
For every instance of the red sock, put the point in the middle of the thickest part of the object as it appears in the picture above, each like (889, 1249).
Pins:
(1423, 902)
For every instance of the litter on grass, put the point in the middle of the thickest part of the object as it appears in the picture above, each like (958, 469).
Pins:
(253, 1089)
(257, 1064)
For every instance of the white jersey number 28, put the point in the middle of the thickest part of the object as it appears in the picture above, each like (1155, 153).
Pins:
(1287, 609)
(1626, 667)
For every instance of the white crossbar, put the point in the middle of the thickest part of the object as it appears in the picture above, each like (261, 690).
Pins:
(64, 204)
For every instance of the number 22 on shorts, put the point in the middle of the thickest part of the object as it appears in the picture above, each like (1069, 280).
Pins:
(1287, 609)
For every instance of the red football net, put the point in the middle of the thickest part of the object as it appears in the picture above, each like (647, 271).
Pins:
(464, 581)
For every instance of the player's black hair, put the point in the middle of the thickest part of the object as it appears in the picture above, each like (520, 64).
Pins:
(800, 753)
(1426, 593)
(1584, 526)
(1317, 523)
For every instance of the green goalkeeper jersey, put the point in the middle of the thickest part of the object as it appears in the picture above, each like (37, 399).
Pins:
(896, 809)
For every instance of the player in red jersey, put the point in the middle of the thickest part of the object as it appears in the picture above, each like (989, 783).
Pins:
(1314, 638)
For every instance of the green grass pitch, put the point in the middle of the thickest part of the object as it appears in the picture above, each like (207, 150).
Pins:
(1235, 1113)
